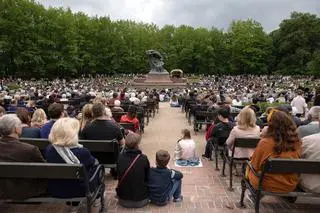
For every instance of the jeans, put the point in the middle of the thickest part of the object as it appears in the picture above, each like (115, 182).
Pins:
(175, 193)
(190, 162)
(176, 189)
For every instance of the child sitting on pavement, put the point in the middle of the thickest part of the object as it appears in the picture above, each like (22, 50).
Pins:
(164, 183)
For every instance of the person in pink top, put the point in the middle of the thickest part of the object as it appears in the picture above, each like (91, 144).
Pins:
(246, 128)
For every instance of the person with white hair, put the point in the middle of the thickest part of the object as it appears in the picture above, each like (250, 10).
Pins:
(117, 107)
(64, 97)
(12, 150)
(314, 125)
(65, 148)
(132, 97)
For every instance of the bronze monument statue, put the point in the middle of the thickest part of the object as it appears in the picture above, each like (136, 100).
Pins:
(158, 76)
(156, 62)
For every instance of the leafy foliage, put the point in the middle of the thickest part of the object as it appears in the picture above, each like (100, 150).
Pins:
(54, 42)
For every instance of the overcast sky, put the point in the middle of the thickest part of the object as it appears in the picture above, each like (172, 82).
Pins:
(204, 13)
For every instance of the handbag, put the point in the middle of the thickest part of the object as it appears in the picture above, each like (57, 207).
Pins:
(128, 170)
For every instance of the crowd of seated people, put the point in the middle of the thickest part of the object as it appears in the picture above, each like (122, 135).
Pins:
(282, 135)
(137, 182)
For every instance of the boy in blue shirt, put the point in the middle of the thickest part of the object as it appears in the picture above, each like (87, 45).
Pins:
(164, 183)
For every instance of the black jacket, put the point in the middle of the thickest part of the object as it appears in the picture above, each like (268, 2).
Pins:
(134, 185)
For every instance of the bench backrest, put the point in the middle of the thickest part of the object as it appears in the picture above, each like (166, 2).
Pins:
(21, 170)
(117, 116)
(98, 148)
(246, 142)
(277, 165)
(128, 126)
(249, 143)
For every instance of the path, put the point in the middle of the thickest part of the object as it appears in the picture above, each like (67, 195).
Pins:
(203, 188)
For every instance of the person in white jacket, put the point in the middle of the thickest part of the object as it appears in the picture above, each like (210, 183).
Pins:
(300, 104)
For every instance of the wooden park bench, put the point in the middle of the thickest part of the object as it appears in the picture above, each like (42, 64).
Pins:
(277, 165)
(55, 171)
(106, 151)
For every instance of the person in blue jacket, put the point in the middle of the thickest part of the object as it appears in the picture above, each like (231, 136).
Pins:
(164, 183)
(64, 148)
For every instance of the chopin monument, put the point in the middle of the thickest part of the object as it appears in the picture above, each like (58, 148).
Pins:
(156, 62)
(158, 75)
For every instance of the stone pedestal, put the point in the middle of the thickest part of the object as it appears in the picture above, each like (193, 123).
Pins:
(158, 78)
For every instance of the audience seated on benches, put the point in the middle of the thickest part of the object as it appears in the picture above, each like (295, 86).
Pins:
(86, 116)
(312, 127)
(164, 183)
(12, 150)
(246, 128)
(281, 141)
(66, 149)
(219, 131)
(102, 127)
(311, 151)
(131, 117)
(133, 172)
(185, 151)
(55, 112)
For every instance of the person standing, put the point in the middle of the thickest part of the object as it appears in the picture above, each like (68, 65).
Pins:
(300, 104)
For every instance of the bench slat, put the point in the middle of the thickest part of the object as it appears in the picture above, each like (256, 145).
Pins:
(274, 165)
(41, 170)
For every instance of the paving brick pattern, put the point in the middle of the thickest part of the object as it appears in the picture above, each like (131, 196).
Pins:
(204, 190)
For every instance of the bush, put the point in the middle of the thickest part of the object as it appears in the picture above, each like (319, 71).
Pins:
(13, 86)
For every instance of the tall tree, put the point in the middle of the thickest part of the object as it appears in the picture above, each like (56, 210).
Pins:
(250, 48)
(296, 42)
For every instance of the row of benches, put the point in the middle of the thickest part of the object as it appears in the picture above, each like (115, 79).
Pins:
(52, 171)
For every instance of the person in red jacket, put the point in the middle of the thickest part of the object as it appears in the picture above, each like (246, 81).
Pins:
(131, 117)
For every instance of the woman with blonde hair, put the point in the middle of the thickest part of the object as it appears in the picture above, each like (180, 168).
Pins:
(39, 118)
(65, 148)
(246, 128)
(86, 116)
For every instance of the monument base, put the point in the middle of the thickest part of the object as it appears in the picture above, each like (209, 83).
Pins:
(157, 79)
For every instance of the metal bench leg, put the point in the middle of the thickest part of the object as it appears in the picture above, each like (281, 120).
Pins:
(243, 190)
(89, 210)
(230, 180)
(216, 151)
(195, 127)
(223, 168)
(103, 208)
(257, 202)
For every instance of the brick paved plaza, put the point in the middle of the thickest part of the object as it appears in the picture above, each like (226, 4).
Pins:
(203, 188)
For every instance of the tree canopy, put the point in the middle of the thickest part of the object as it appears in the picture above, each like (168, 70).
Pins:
(55, 42)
